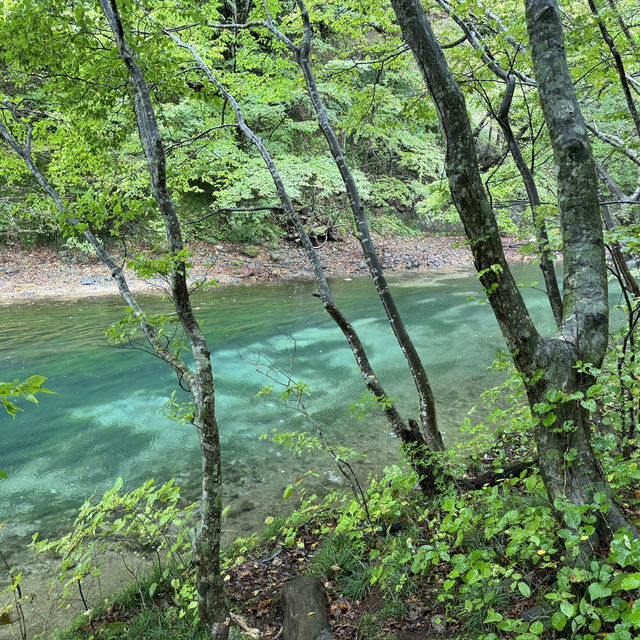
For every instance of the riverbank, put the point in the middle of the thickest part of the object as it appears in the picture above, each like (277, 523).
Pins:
(46, 272)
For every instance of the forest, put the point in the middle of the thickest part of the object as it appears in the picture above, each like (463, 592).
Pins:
(133, 130)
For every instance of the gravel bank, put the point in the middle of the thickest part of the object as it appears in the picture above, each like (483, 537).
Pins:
(45, 272)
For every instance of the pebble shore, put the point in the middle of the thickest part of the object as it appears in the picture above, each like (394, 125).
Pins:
(47, 272)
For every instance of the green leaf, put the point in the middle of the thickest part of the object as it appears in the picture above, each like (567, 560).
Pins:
(598, 590)
(632, 616)
(536, 627)
(287, 492)
(558, 621)
(572, 518)
(524, 589)
(568, 609)
(492, 616)
(630, 582)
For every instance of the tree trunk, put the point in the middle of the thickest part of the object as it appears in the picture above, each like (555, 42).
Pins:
(567, 462)
(416, 445)
(212, 607)
(426, 400)
(304, 602)
(546, 264)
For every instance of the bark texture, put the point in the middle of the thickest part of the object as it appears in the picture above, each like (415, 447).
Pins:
(567, 462)
(212, 607)
(304, 602)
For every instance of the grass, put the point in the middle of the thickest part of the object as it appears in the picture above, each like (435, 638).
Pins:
(149, 624)
(338, 558)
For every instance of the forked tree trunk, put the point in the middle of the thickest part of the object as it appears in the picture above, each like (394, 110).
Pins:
(416, 446)
(568, 465)
(428, 419)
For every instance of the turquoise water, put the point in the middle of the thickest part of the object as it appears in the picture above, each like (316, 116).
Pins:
(106, 418)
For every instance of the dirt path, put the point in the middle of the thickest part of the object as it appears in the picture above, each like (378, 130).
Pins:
(45, 272)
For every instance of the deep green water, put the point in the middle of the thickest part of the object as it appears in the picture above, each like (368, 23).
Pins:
(105, 420)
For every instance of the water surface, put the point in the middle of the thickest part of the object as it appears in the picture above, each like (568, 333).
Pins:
(106, 418)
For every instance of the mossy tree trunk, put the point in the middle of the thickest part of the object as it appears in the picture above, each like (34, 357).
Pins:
(212, 607)
(568, 465)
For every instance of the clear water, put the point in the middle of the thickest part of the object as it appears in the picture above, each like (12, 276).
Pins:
(106, 418)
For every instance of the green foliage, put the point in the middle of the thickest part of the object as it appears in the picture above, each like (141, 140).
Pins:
(10, 392)
(154, 264)
(180, 412)
(165, 327)
(149, 517)
(300, 442)
(363, 406)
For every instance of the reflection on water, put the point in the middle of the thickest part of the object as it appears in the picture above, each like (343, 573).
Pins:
(106, 417)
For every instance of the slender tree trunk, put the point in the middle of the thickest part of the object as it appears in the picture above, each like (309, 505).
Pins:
(617, 59)
(623, 25)
(212, 607)
(426, 400)
(546, 264)
(416, 446)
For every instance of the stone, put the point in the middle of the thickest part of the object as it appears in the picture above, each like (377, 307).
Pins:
(276, 257)
(286, 262)
(86, 280)
(437, 622)
(532, 613)
(250, 251)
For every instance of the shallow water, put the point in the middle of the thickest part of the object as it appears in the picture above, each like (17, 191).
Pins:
(106, 418)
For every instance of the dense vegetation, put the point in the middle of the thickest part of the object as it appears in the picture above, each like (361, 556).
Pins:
(179, 120)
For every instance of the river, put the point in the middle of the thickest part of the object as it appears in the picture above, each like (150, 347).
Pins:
(105, 419)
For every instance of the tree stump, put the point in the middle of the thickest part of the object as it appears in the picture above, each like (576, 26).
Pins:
(305, 610)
